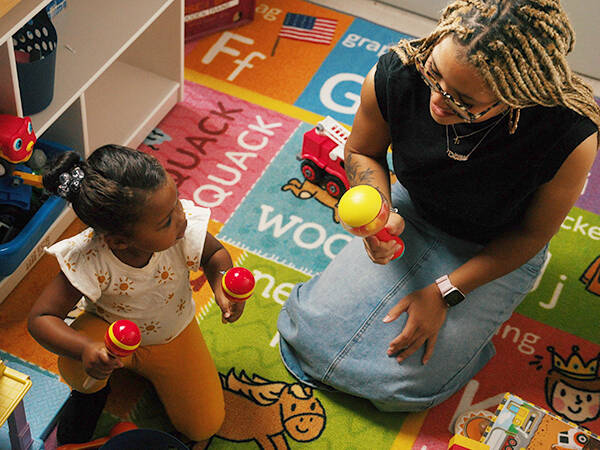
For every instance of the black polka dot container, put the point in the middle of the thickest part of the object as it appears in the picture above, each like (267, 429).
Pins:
(35, 53)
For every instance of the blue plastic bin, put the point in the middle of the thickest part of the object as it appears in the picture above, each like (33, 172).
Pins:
(13, 253)
(19, 196)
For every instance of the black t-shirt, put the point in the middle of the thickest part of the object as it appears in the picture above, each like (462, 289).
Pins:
(482, 197)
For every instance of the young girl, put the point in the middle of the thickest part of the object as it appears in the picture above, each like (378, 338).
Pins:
(132, 263)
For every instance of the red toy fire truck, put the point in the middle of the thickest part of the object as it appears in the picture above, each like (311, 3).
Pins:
(322, 156)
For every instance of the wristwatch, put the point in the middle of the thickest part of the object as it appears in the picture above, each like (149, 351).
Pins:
(450, 293)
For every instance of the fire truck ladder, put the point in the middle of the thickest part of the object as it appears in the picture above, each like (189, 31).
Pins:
(333, 130)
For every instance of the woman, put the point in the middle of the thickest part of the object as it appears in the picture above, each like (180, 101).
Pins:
(492, 138)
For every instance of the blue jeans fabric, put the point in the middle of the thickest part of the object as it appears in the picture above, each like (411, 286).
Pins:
(332, 334)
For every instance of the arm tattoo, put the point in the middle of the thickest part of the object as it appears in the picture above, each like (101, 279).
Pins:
(356, 175)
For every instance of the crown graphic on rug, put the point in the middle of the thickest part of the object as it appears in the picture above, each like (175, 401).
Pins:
(575, 366)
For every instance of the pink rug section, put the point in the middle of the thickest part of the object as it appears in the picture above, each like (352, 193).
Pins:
(216, 146)
(552, 369)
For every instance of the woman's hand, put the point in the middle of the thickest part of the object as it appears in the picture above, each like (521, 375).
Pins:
(382, 252)
(97, 362)
(426, 314)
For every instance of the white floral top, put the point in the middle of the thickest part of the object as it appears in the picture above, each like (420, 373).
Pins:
(157, 297)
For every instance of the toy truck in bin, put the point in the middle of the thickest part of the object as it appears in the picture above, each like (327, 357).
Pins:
(322, 156)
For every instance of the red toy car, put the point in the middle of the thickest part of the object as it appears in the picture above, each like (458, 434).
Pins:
(322, 156)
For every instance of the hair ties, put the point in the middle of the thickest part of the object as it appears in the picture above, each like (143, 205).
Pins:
(70, 181)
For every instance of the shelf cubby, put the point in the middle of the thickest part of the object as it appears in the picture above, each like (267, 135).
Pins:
(119, 70)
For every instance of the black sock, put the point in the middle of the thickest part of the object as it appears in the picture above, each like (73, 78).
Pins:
(80, 415)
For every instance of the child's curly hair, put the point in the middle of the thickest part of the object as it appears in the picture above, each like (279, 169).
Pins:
(114, 189)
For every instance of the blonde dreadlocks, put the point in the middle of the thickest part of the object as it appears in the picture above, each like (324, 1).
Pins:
(519, 47)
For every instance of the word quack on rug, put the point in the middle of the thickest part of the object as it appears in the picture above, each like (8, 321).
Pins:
(232, 145)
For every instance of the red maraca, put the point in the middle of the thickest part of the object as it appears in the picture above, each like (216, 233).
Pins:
(238, 284)
(121, 339)
(364, 212)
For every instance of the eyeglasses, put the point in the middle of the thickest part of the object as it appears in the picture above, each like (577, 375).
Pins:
(460, 108)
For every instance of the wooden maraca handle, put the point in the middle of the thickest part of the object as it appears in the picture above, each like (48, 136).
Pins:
(90, 382)
(121, 339)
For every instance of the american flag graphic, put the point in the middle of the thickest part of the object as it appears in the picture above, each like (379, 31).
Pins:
(307, 28)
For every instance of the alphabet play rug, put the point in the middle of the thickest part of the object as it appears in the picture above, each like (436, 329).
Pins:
(233, 145)
(251, 93)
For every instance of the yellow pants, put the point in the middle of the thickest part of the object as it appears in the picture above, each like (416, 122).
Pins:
(182, 372)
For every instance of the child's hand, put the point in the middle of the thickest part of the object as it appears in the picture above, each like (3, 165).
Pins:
(236, 308)
(231, 311)
(97, 362)
(215, 262)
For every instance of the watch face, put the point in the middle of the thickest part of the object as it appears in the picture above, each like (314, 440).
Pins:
(454, 297)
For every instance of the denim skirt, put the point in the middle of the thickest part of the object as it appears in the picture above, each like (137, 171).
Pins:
(332, 335)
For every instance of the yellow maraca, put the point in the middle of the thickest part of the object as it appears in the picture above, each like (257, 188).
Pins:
(364, 212)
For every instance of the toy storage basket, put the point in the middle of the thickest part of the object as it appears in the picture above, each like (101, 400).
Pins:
(36, 43)
(204, 17)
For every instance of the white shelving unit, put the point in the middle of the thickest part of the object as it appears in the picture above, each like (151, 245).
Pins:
(119, 70)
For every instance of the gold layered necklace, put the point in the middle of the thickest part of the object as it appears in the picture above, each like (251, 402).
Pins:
(457, 138)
